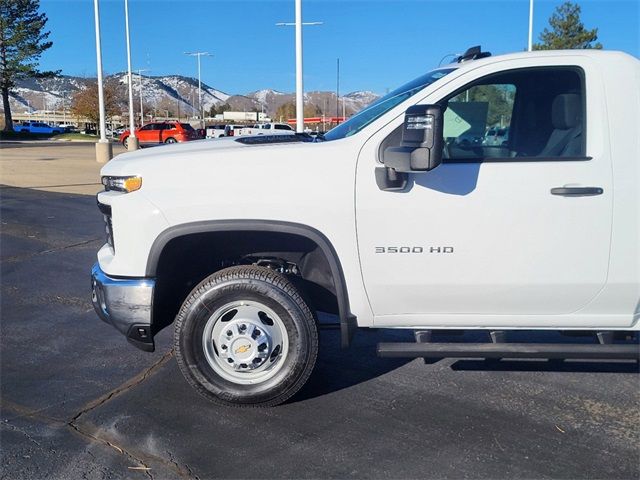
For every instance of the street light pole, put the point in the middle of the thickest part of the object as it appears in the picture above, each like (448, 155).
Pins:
(132, 141)
(299, 84)
(299, 79)
(530, 47)
(200, 94)
(104, 151)
(140, 84)
(200, 107)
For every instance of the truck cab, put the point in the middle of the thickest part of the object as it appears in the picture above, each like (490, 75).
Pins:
(401, 217)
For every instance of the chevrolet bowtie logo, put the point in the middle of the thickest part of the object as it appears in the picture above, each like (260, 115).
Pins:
(243, 349)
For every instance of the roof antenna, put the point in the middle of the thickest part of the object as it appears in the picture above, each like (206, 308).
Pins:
(473, 53)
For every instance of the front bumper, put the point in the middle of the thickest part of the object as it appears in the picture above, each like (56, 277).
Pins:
(126, 304)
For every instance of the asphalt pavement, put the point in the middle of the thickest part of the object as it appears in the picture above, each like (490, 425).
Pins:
(77, 401)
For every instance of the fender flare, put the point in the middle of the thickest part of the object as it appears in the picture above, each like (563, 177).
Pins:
(348, 322)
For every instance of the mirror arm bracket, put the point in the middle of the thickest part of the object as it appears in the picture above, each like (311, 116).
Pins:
(389, 179)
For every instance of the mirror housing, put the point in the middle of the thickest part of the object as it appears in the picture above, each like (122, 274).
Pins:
(420, 150)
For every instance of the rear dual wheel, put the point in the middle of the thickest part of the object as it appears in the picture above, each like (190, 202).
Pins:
(245, 337)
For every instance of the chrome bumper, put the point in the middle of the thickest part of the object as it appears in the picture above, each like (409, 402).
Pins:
(125, 304)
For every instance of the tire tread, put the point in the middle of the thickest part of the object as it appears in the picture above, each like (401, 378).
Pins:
(243, 272)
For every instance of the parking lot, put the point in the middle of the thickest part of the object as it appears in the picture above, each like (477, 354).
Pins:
(79, 402)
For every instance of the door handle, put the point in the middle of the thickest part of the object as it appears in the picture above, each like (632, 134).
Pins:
(577, 191)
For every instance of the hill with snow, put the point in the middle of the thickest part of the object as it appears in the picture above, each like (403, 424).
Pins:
(175, 94)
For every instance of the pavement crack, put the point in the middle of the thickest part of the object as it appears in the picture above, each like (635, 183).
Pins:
(51, 250)
(73, 245)
(192, 475)
(129, 384)
(20, 430)
(144, 459)
(95, 433)
(93, 437)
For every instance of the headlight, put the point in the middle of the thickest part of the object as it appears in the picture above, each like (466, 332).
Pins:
(122, 184)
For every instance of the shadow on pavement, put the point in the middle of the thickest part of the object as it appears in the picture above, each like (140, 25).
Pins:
(338, 368)
(547, 366)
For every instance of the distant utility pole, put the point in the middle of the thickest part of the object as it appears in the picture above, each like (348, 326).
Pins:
(299, 84)
(530, 48)
(132, 141)
(64, 112)
(338, 91)
(140, 70)
(104, 150)
(199, 54)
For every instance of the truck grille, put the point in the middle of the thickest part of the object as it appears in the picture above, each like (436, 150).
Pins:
(106, 213)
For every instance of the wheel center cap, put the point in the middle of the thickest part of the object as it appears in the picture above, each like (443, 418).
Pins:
(242, 348)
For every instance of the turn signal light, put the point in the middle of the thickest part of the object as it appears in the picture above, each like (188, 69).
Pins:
(122, 184)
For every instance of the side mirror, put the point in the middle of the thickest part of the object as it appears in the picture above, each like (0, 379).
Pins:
(419, 151)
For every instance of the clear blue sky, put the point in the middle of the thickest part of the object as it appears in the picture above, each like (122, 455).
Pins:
(381, 44)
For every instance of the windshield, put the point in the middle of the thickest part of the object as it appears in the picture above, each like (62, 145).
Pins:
(384, 104)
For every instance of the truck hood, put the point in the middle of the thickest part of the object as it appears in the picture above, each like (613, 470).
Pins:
(178, 157)
(178, 149)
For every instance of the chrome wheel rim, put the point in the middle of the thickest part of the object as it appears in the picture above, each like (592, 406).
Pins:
(245, 342)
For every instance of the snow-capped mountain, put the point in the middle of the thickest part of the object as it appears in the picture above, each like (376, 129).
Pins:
(362, 98)
(46, 94)
(266, 96)
(175, 94)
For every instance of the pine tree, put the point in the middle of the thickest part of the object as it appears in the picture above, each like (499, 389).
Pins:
(567, 31)
(22, 41)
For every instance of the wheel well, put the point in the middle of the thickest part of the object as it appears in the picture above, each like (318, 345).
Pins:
(180, 261)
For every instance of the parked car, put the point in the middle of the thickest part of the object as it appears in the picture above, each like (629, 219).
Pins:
(33, 126)
(468, 140)
(156, 133)
(377, 224)
(68, 127)
(266, 129)
(232, 130)
(496, 137)
(215, 131)
(119, 130)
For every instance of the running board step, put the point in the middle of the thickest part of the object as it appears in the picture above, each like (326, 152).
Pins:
(510, 350)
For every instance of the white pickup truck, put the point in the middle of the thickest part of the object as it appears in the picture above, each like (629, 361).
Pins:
(397, 218)
(266, 129)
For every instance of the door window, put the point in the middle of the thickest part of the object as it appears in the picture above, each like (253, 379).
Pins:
(533, 113)
(474, 117)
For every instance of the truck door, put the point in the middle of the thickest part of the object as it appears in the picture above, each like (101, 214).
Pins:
(520, 227)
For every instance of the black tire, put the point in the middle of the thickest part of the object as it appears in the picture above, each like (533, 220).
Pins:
(249, 284)
(125, 142)
(170, 140)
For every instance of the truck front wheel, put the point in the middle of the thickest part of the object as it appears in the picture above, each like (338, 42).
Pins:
(245, 337)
